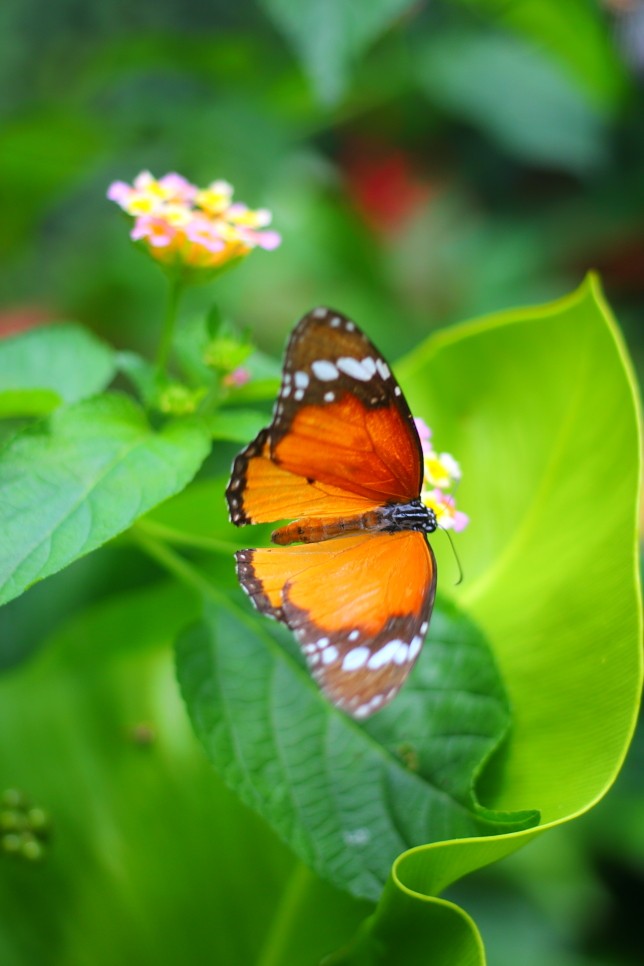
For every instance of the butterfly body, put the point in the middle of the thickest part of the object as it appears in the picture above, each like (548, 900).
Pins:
(385, 519)
(353, 575)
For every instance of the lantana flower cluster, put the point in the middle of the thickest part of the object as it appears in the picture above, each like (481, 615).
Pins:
(185, 227)
(442, 473)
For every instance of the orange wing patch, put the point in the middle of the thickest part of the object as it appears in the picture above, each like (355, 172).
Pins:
(260, 491)
(358, 605)
(344, 444)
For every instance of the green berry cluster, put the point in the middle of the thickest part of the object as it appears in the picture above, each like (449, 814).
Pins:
(24, 828)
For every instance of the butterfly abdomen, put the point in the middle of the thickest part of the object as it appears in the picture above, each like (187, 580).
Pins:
(390, 518)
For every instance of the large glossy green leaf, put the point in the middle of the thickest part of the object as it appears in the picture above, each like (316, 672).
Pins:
(65, 359)
(541, 408)
(71, 483)
(348, 798)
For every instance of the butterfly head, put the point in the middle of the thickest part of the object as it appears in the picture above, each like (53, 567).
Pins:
(411, 516)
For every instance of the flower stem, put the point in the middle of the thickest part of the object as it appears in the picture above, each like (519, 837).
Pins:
(170, 318)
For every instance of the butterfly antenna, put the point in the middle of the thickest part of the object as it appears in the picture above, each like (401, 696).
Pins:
(456, 556)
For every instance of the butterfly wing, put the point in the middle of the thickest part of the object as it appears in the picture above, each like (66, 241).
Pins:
(261, 491)
(359, 607)
(342, 440)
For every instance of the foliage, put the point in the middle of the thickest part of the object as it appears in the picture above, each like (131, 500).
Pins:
(352, 799)
(425, 164)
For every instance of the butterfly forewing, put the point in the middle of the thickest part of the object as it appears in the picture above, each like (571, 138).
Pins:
(341, 416)
(340, 421)
(260, 491)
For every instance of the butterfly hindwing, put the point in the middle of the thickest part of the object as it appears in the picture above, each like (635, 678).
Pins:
(359, 607)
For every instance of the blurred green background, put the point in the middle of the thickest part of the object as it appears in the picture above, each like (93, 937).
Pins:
(425, 163)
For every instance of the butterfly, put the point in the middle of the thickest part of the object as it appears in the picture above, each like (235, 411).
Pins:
(353, 576)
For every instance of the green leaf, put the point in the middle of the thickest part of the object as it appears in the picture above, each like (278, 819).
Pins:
(71, 483)
(236, 425)
(15, 403)
(139, 807)
(330, 35)
(540, 407)
(144, 376)
(578, 34)
(199, 509)
(64, 358)
(543, 116)
(348, 798)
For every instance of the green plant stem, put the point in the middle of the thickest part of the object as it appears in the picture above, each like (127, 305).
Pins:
(276, 944)
(167, 332)
(183, 539)
(177, 566)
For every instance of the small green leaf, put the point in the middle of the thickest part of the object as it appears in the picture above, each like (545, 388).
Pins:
(63, 358)
(15, 403)
(349, 798)
(146, 378)
(71, 483)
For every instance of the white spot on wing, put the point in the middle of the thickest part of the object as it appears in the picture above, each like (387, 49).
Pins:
(384, 655)
(354, 635)
(329, 654)
(301, 380)
(324, 370)
(329, 396)
(383, 368)
(414, 647)
(355, 658)
(401, 654)
(319, 313)
(353, 368)
(298, 394)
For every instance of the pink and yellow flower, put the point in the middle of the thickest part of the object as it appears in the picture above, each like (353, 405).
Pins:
(441, 473)
(189, 229)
